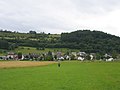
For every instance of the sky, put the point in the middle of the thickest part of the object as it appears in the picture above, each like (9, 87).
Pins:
(57, 16)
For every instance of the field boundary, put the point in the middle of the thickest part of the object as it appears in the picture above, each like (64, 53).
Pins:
(15, 64)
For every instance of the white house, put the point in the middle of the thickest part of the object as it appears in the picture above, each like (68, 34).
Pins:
(60, 58)
(11, 55)
(110, 59)
(81, 58)
(91, 57)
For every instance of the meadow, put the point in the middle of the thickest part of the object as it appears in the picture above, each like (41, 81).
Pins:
(73, 75)
(27, 50)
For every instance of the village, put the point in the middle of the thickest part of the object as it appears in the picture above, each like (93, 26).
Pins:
(52, 56)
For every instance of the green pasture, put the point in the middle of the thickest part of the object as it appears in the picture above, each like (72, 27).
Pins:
(72, 75)
(26, 50)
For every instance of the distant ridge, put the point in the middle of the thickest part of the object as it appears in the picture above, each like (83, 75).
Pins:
(83, 40)
(92, 41)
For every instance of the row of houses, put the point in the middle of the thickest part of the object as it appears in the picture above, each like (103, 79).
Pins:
(54, 56)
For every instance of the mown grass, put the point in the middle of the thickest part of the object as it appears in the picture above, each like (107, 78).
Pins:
(70, 76)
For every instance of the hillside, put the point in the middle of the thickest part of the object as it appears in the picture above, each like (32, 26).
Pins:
(11, 40)
(92, 41)
(83, 40)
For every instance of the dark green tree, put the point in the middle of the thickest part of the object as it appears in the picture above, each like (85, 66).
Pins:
(19, 55)
(49, 56)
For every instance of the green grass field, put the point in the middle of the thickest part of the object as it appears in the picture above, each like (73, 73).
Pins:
(72, 75)
(27, 50)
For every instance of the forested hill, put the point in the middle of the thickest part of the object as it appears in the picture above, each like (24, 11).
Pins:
(92, 41)
(83, 40)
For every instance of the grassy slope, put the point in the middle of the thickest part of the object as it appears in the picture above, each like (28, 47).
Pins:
(70, 76)
(25, 35)
(33, 50)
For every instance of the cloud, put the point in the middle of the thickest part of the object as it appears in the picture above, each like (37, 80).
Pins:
(56, 16)
(96, 6)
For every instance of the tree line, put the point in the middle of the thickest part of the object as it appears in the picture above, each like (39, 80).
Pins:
(92, 41)
(84, 40)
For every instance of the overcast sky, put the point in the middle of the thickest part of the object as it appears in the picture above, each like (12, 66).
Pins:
(56, 16)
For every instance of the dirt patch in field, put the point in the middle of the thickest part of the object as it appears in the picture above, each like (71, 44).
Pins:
(12, 64)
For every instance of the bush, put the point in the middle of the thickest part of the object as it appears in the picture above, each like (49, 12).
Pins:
(49, 58)
(19, 55)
